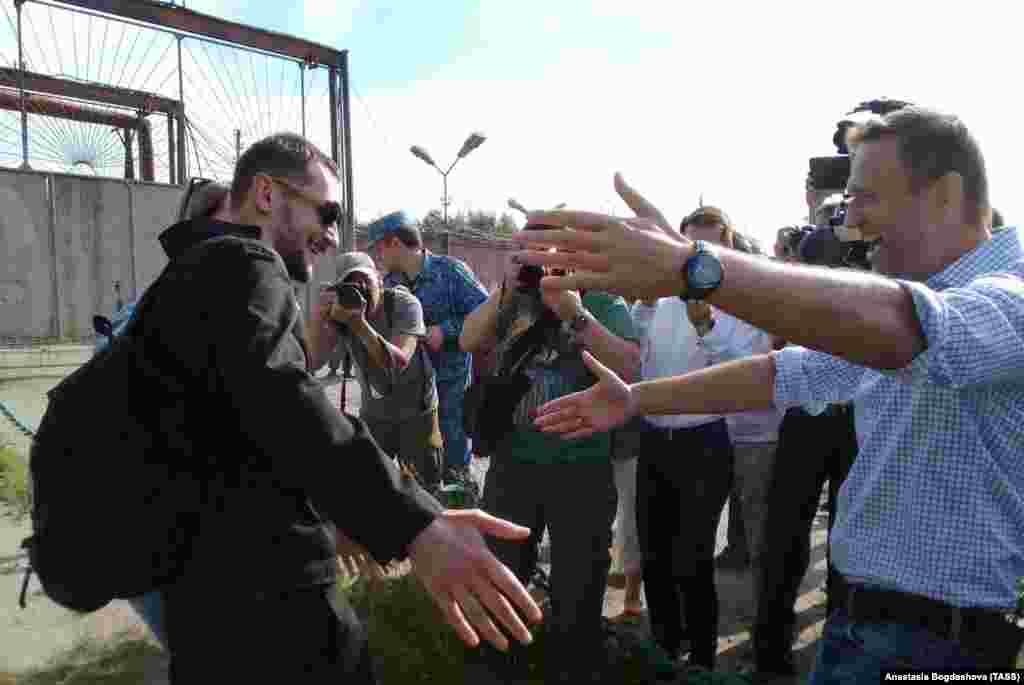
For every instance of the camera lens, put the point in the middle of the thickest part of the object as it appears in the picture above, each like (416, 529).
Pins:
(530, 275)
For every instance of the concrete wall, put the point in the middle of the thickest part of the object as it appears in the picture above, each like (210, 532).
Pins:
(66, 240)
(27, 267)
(153, 209)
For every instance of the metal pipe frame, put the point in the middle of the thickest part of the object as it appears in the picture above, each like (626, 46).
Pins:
(52, 107)
(93, 92)
(189, 22)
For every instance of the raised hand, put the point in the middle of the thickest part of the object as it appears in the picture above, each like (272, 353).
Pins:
(643, 207)
(631, 257)
(601, 407)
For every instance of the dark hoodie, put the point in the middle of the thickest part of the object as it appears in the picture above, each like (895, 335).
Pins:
(224, 319)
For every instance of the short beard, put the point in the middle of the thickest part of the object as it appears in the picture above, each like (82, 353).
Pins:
(294, 259)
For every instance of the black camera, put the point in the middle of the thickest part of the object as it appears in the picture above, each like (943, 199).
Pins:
(790, 238)
(530, 274)
(822, 247)
(832, 173)
(350, 296)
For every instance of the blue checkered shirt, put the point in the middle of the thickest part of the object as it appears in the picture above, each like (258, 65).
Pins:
(934, 504)
(449, 292)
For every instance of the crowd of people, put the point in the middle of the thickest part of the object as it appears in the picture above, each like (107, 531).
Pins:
(647, 375)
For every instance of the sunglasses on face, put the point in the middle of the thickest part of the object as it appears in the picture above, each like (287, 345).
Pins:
(330, 212)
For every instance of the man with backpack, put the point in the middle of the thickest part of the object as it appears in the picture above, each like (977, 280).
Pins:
(237, 462)
(382, 330)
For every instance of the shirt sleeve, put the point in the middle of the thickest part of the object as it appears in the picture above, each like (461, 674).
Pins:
(467, 294)
(282, 410)
(805, 377)
(974, 335)
(408, 315)
(642, 316)
(732, 338)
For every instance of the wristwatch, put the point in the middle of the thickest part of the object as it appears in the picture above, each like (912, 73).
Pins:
(702, 273)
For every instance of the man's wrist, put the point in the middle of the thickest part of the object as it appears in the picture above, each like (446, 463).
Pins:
(678, 255)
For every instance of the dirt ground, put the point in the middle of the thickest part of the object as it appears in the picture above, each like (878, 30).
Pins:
(28, 638)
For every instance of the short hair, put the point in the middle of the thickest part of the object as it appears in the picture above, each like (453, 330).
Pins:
(286, 155)
(709, 215)
(933, 144)
(410, 236)
(203, 201)
(997, 218)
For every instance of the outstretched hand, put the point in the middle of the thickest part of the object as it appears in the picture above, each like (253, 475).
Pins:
(468, 583)
(601, 407)
(642, 207)
(639, 258)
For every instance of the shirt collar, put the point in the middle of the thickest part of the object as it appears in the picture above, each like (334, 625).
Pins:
(998, 253)
(426, 271)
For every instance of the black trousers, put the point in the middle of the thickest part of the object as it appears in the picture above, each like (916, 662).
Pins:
(576, 503)
(811, 450)
(683, 480)
(287, 637)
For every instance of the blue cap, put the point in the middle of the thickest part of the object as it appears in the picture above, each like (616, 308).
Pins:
(387, 225)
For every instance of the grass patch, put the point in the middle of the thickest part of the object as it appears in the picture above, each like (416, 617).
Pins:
(14, 486)
(411, 643)
(124, 660)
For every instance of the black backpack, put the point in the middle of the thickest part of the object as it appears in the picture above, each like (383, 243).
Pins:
(116, 487)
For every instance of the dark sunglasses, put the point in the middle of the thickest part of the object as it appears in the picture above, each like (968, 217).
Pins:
(330, 212)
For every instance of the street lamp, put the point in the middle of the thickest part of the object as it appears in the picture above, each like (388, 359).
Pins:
(475, 140)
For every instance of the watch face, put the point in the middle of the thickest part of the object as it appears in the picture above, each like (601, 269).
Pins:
(703, 272)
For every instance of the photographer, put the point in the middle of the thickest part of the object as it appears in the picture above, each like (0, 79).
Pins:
(928, 527)
(383, 330)
(567, 487)
(816, 443)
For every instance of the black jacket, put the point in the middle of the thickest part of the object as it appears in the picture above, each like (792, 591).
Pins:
(223, 319)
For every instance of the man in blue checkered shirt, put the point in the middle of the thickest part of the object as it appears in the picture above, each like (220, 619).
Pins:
(929, 531)
(448, 291)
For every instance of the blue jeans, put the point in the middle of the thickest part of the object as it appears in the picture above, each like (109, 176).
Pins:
(851, 652)
(456, 444)
(151, 608)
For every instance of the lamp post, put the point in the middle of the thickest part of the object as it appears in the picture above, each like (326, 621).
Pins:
(474, 141)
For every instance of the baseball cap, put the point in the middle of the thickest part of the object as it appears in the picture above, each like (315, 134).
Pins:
(387, 225)
(350, 262)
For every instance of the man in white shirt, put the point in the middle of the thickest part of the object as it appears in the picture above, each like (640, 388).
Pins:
(686, 464)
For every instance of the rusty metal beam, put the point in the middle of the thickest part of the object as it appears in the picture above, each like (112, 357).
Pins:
(196, 23)
(96, 92)
(62, 109)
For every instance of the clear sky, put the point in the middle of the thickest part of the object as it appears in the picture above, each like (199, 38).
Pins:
(728, 99)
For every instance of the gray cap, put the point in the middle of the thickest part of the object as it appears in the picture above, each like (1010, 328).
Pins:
(350, 262)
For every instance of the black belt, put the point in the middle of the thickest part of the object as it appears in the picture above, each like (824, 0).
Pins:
(667, 433)
(986, 633)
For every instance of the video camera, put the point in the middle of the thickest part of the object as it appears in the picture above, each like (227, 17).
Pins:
(832, 173)
(823, 246)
